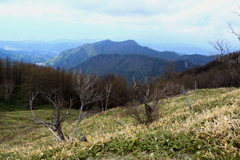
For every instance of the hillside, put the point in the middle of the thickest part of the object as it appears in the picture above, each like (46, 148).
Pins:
(211, 75)
(4, 53)
(34, 51)
(197, 59)
(24, 56)
(130, 65)
(211, 131)
(54, 46)
(180, 48)
(73, 57)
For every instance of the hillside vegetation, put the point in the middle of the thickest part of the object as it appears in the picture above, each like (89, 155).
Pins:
(210, 131)
(214, 74)
(131, 65)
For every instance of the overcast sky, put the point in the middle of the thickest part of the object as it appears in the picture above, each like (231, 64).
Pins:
(153, 21)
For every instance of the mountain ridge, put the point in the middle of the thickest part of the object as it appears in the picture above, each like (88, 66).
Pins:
(75, 56)
(130, 65)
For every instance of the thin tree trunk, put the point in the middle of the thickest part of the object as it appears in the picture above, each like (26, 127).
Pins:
(60, 133)
(149, 112)
(78, 122)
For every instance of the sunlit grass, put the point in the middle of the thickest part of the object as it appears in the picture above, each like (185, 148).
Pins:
(211, 131)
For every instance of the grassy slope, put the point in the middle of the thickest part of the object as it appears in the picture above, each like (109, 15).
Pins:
(211, 131)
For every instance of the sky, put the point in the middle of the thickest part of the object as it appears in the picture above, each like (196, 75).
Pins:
(152, 21)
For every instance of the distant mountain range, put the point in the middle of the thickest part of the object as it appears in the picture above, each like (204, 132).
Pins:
(35, 51)
(130, 65)
(72, 57)
(54, 46)
(26, 56)
(180, 48)
(127, 58)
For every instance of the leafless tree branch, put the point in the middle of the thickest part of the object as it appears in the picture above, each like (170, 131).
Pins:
(233, 31)
(6, 88)
(150, 95)
(221, 45)
(108, 89)
(58, 117)
(84, 85)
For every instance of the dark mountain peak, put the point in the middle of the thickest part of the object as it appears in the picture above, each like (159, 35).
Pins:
(110, 42)
(106, 41)
(86, 51)
(86, 45)
(196, 58)
(130, 41)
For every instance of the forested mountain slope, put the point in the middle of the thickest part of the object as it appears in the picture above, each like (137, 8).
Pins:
(75, 56)
(131, 65)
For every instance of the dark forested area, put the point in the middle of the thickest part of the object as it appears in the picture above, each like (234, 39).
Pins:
(19, 80)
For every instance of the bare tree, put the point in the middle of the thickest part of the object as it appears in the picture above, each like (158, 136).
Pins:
(232, 30)
(85, 87)
(187, 99)
(58, 114)
(108, 89)
(150, 94)
(6, 88)
(142, 96)
(231, 27)
(231, 60)
(221, 45)
(168, 71)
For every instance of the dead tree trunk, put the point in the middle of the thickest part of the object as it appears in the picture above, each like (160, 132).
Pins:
(153, 92)
(58, 116)
(149, 112)
(59, 131)
(142, 96)
(85, 87)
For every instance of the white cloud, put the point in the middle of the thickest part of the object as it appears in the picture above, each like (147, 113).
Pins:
(142, 17)
(117, 7)
(28, 9)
